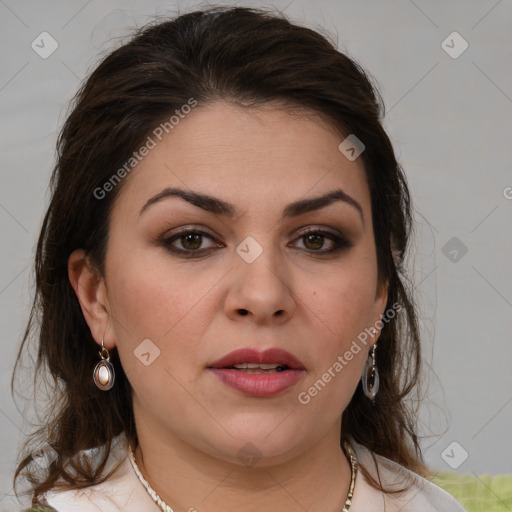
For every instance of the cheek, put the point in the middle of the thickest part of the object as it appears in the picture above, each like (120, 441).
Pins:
(168, 303)
(145, 301)
(344, 302)
(339, 354)
(150, 294)
(343, 307)
(154, 308)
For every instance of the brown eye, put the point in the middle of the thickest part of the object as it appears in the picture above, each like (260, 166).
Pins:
(323, 242)
(191, 241)
(313, 241)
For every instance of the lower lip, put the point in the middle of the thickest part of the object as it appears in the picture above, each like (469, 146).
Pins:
(261, 385)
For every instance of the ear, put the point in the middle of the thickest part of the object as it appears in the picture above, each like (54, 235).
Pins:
(379, 307)
(91, 292)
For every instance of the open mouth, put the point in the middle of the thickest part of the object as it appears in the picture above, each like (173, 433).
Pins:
(257, 373)
(260, 367)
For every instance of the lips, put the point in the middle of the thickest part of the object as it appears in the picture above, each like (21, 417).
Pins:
(250, 356)
(258, 373)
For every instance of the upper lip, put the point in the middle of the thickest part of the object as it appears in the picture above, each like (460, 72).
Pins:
(250, 355)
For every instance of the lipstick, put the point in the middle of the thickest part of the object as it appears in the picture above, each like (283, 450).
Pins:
(260, 374)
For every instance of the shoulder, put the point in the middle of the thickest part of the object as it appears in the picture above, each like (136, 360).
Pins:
(121, 491)
(421, 495)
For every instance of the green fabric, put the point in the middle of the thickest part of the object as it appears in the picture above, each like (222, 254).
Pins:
(481, 493)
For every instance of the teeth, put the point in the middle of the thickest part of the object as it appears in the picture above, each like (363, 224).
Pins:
(257, 370)
(245, 366)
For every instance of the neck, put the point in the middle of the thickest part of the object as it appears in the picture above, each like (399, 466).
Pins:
(317, 479)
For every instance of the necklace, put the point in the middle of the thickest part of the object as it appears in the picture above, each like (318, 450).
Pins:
(166, 508)
(159, 501)
(353, 468)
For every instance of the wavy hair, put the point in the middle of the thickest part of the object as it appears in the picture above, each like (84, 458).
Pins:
(249, 57)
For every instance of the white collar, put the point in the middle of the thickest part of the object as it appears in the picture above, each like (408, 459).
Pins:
(122, 491)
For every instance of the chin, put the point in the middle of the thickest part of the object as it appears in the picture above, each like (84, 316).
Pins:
(260, 442)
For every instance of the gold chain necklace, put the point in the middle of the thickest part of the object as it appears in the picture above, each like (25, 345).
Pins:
(166, 508)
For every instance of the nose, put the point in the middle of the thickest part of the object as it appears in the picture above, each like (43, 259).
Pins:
(260, 291)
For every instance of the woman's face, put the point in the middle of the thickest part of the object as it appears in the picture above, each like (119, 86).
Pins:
(243, 183)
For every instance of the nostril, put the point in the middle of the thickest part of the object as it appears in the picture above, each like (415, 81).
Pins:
(243, 312)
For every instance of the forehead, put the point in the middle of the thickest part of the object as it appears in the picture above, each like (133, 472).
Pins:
(254, 157)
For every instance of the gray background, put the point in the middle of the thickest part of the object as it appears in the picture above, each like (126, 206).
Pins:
(451, 122)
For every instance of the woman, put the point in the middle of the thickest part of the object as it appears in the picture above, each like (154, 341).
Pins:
(219, 277)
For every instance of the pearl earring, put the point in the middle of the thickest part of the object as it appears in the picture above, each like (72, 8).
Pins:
(103, 374)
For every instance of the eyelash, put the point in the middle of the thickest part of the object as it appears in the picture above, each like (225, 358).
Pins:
(340, 242)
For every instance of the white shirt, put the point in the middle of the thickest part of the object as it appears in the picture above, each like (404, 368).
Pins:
(124, 492)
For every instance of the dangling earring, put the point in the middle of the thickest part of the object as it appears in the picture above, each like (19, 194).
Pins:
(370, 377)
(103, 373)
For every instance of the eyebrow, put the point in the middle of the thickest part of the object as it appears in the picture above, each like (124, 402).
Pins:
(220, 207)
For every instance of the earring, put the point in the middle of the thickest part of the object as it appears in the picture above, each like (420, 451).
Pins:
(103, 374)
(370, 379)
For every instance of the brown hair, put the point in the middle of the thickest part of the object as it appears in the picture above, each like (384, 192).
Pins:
(241, 55)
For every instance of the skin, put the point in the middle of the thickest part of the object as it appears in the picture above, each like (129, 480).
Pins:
(190, 425)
